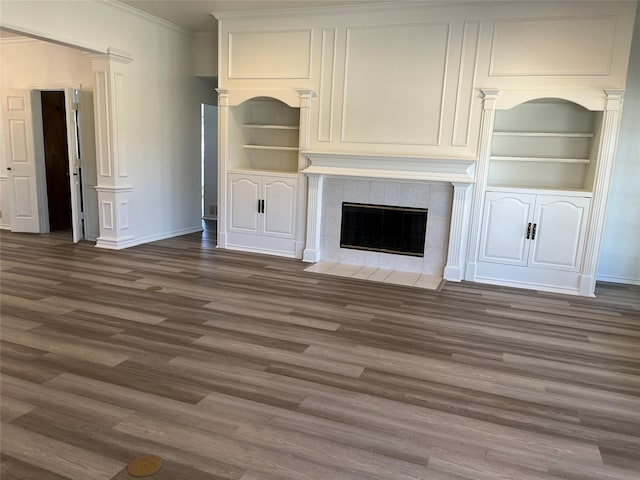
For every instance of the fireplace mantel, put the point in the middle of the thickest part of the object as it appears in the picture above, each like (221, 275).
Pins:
(459, 172)
(391, 167)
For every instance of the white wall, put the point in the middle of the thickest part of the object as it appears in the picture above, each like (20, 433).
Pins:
(27, 63)
(205, 54)
(620, 254)
(159, 127)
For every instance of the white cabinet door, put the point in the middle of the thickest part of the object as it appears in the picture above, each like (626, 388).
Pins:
(504, 228)
(560, 225)
(279, 195)
(243, 203)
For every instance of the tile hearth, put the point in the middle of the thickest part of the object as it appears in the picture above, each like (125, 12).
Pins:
(395, 277)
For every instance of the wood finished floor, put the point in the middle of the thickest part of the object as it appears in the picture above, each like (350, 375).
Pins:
(239, 366)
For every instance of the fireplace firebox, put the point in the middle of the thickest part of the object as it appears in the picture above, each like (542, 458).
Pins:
(382, 228)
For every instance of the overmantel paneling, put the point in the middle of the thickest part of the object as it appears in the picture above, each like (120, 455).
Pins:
(276, 54)
(563, 45)
(405, 79)
(552, 47)
(403, 104)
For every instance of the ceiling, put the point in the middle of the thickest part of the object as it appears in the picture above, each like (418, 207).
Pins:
(195, 15)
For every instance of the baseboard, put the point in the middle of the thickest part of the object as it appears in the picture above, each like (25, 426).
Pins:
(614, 279)
(5, 227)
(453, 274)
(151, 238)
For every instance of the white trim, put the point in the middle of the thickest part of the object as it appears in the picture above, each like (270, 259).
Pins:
(339, 10)
(616, 279)
(391, 167)
(20, 39)
(145, 16)
(47, 37)
(530, 286)
(132, 242)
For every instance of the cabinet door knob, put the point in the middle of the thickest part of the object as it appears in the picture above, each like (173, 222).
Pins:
(529, 231)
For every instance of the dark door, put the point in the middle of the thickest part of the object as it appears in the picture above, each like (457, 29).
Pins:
(56, 159)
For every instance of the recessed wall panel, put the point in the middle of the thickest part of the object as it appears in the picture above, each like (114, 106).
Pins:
(15, 104)
(270, 55)
(466, 80)
(394, 83)
(18, 141)
(23, 197)
(543, 47)
(328, 55)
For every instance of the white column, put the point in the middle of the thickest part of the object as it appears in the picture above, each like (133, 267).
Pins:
(314, 219)
(223, 151)
(486, 131)
(113, 187)
(602, 183)
(458, 232)
(304, 132)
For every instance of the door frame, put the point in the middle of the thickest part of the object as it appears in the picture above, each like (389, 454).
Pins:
(38, 140)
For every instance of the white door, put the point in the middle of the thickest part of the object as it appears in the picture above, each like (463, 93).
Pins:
(88, 172)
(19, 161)
(243, 203)
(279, 196)
(505, 227)
(559, 226)
(73, 148)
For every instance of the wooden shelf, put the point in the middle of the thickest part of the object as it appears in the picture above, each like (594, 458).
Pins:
(272, 127)
(540, 159)
(271, 147)
(544, 134)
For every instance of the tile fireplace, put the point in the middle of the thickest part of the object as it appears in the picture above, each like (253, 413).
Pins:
(443, 186)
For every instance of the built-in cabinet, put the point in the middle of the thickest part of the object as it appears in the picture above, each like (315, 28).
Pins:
(534, 231)
(262, 205)
(263, 190)
(457, 88)
(541, 189)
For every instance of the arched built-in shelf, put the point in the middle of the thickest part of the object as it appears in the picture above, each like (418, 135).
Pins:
(546, 143)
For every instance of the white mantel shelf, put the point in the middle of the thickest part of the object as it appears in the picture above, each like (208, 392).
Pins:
(391, 167)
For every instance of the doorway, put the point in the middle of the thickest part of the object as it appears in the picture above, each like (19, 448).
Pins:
(209, 161)
(56, 160)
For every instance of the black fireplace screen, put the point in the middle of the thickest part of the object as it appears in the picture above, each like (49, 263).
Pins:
(383, 228)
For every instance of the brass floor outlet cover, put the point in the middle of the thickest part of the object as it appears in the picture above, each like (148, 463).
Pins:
(144, 466)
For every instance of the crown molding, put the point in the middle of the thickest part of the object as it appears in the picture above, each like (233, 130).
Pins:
(115, 4)
(384, 6)
(18, 40)
(205, 34)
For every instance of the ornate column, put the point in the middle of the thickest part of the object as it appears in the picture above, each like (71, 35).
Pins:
(314, 219)
(223, 149)
(458, 232)
(113, 187)
(304, 138)
(486, 129)
(602, 183)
